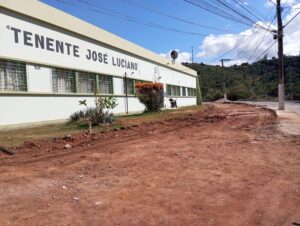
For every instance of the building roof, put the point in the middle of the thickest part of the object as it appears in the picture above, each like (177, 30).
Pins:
(43, 12)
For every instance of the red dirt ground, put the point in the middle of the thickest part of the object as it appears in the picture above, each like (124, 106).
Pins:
(225, 165)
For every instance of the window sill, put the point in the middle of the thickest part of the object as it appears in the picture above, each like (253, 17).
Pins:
(60, 94)
(180, 96)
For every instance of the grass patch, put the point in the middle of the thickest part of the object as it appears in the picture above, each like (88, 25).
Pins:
(17, 136)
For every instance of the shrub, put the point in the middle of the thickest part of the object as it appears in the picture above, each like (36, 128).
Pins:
(239, 92)
(213, 95)
(100, 114)
(76, 116)
(151, 95)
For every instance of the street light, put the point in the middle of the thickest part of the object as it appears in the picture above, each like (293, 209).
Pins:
(224, 82)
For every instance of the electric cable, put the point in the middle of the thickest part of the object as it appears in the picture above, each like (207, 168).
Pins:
(174, 17)
(135, 20)
(221, 12)
(262, 39)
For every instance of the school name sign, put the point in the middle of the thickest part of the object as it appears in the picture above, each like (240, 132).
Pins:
(47, 43)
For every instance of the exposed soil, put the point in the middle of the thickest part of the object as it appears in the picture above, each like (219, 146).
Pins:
(221, 165)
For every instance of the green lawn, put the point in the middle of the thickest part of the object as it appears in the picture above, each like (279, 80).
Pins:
(17, 136)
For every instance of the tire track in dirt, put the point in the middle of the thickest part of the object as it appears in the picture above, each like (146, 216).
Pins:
(207, 170)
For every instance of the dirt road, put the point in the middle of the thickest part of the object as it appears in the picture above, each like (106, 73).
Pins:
(223, 165)
(289, 119)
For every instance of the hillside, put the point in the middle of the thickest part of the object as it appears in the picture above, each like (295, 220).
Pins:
(260, 77)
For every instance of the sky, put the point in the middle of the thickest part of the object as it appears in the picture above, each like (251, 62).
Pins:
(165, 25)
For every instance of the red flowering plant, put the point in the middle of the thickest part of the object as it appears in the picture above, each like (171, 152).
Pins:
(150, 94)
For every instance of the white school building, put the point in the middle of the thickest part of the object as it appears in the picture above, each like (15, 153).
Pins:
(49, 60)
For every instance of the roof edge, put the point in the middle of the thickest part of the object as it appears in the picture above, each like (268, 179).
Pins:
(51, 15)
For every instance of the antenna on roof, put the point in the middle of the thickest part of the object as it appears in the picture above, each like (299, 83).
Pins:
(174, 55)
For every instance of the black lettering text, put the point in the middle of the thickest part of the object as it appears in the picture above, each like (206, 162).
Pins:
(100, 59)
(94, 56)
(27, 38)
(16, 33)
(113, 61)
(105, 58)
(49, 44)
(39, 41)
(68, 48)
(88, 55)
(76, 51)
(59, 47)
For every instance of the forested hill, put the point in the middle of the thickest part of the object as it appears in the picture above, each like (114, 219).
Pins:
(260, 77)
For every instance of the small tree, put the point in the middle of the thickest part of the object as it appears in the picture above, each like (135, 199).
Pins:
(102, 110)
(100, 114)
(86, 116)
(150, 94)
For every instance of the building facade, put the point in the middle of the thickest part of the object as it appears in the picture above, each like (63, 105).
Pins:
(50, 60)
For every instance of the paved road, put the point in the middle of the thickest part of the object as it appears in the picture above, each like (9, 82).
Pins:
(289, 118)
(289, 106)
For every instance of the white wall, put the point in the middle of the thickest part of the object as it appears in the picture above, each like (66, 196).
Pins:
(118, 86)
(26, 109)
(38, 79)
(10, 49)
(181, 102)
(17, 109)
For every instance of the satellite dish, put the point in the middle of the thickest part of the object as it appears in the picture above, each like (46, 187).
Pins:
(174, 55)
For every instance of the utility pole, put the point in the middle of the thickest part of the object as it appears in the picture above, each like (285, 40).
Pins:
(224, 79)
(279, 36)
(126, 93)
(192, 54)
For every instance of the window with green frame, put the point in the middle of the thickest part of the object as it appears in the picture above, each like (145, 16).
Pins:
(63, 81)
(173, 90)
(13, 76)
(191, 92)
(105, 84)
(130, 86)
(86, 82)
(183, 91)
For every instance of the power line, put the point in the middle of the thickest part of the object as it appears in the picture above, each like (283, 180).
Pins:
(240, 44)
(233, 48)
(291, 20)
(267, 50)
(120, 15)
(262, 39)
(272, 2)
(174, 17)
(208, 7)
(246, 9)
(223, 12)
(257, 12)
(236, 11)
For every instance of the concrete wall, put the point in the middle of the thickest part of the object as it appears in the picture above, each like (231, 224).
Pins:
(18, 42)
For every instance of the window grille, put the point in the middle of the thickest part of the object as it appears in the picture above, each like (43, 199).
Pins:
(105, 83)
(168, 90)
(173, 90)
(63, 81)
(130, 86)
(13, 76)
(86, 82)
(191, 92)
(183, 91)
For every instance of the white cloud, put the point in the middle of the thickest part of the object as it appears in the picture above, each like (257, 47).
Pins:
(245, 2)
(271, 3)
(182, 56)
(244, 43)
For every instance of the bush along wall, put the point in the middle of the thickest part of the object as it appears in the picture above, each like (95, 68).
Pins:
(151, 95)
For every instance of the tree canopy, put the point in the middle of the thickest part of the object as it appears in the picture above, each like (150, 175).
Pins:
(258, 80)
